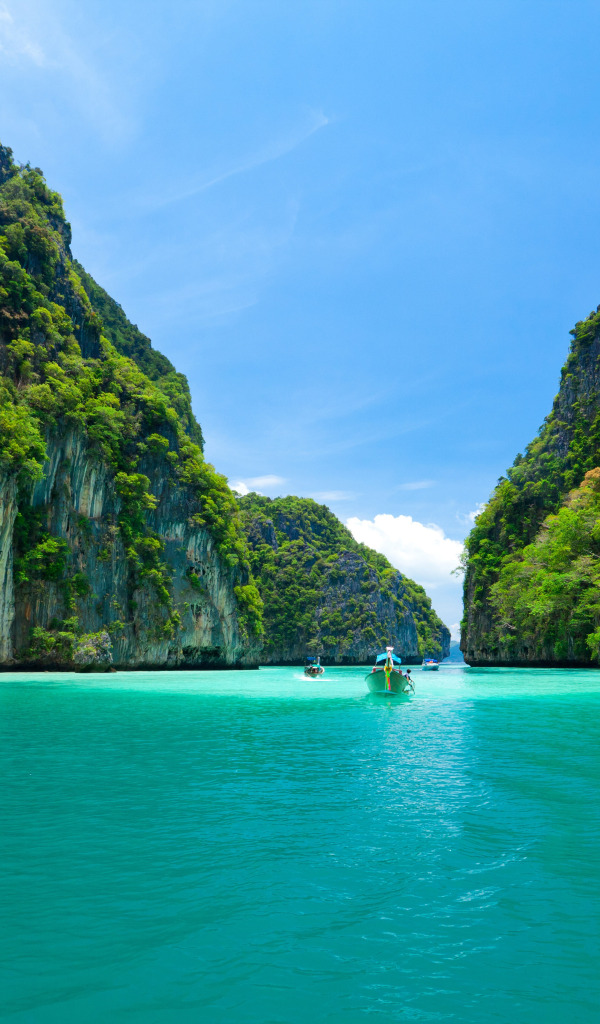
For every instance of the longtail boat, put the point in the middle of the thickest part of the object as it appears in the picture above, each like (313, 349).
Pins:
(386, 676)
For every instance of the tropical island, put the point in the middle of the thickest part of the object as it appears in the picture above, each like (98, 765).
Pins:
(119, 543)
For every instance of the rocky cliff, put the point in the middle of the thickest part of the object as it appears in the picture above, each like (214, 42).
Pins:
(118, 542)
(179, 614)
(532, 571)
(325, 593)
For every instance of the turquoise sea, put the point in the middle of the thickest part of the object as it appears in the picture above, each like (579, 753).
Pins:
(257, 848)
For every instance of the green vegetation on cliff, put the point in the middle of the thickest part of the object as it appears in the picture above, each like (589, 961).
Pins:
(550, 596)
(71, 361)
(511, 551)
(300, 555)
(129, 341)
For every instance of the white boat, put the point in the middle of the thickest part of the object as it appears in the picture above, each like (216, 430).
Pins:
(430, 665)
(386, 676)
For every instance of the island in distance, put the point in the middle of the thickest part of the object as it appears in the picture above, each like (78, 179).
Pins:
(120, 544)
(325, 593)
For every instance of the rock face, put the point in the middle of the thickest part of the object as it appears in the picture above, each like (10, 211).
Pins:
(116, 537)
(501, 627)
(343, 586)
(8, 512)
(325, 593)
(76, 504)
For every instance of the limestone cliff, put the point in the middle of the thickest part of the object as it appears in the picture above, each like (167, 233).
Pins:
(75, 503)
(325, 593)
(531, 570)
(118, 542)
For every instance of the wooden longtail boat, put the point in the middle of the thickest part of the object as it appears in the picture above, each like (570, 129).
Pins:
(386, 676)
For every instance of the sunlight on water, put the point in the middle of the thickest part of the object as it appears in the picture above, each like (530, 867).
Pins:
(451, 682)
(260, 848)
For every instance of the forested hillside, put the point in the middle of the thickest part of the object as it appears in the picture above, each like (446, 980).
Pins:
(532, 571)
(324, 592)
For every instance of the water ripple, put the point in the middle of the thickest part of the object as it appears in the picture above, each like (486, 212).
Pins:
(259, 849)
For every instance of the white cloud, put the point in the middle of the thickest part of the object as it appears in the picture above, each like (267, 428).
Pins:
(416, 485)
(333, 495)
(421, 551)
(254, 483)
(266, 481)
(468, 518)
(455, 630)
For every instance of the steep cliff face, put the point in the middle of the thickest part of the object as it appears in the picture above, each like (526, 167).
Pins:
(325, 593)
(75, 505)
(8, 512)
(527, 592)
(119, 544)
(116, 537)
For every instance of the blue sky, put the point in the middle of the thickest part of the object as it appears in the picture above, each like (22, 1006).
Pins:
(362, 228)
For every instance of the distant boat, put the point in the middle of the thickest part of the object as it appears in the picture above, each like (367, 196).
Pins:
(313, 667)
(430, 665)
(386, 676)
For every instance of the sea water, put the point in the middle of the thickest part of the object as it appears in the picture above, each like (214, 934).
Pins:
(259, 848)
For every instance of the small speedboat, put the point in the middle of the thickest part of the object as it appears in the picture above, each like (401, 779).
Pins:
(386, 676)
(313, 667)
(430, 665)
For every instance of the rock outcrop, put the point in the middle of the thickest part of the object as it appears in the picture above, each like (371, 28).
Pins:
(525, 596)
(325, 593)
(8, 512)
(117, 539)
(75, 503)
